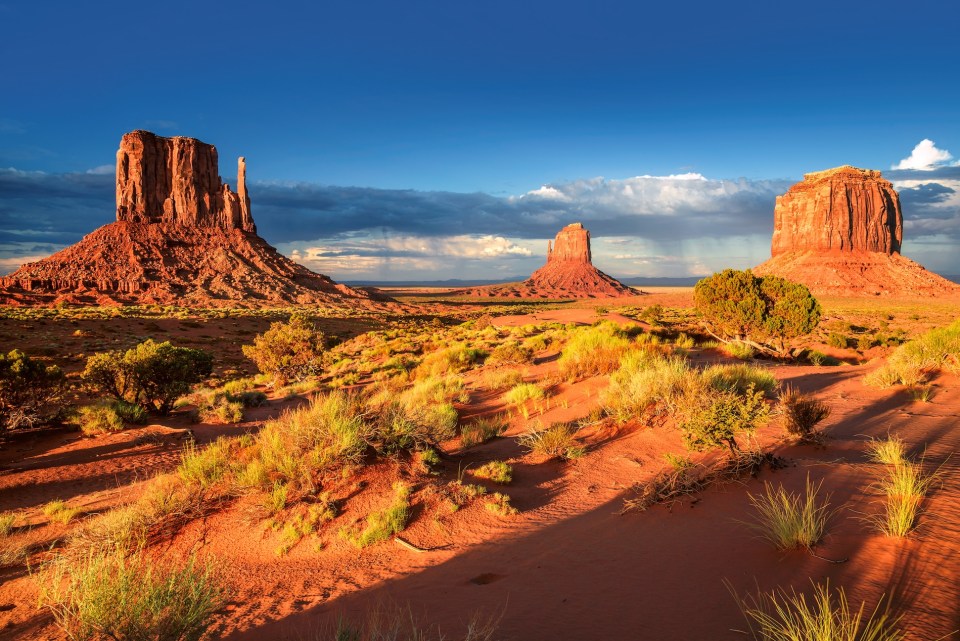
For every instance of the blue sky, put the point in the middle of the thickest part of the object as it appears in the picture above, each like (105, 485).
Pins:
(402, 140)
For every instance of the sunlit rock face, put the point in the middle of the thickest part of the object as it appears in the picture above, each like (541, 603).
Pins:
(839, 232)
(181, 237)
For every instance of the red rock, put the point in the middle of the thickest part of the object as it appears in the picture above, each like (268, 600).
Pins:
(176, 180)
(839, 232)
(569, 273)
(843, 209)
(181, 237)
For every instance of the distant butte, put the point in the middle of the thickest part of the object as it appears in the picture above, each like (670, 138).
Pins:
(182, 237)
(840, 231)
(569, 273)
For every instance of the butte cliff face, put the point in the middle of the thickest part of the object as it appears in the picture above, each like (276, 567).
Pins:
(177, 180)
(839, 232)
(838, 210)
(569, 273)
(181, 237)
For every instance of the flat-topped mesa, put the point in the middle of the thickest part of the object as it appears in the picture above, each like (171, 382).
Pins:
(845, 209)
(177, 180)
(572, 244)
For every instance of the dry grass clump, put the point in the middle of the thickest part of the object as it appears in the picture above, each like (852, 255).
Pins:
(801, 413)
(482, 430)
(904, 486)
(738, 350)
(913, 362)
(7, 522)
(827, 616)
(381, 525)
(500, 378)
(499, 504)
(737, 378)
(59, 512)
(593, 350)
(512, 353)
(520, 394)
(130, 596)
(647, 385)
(557, 441)
(101, 418)
(789, 520)
(496, 471)
(889, 451)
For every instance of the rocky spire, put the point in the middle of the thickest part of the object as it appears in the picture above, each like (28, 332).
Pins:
(571, 245)
(176, 181)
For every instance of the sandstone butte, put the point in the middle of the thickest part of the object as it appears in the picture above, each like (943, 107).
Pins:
(839, 232)
(569, 273)
(181, 237)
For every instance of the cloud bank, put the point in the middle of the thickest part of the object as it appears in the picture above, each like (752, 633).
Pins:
(925, 157)
(677, 225)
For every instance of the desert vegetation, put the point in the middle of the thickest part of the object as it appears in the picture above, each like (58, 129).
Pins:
(401, 439)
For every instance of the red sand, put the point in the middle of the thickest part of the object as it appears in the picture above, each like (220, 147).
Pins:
(569, 566)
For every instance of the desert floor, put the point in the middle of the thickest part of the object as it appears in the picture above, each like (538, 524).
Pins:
(572, 564)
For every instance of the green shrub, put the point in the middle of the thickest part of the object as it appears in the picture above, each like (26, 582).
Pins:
(801, 412)
(592, 351)
(767, 311)
(288, 351)
(789, 520)
(101, 418)
(889, 451)
(382, 525)
(30, 392)
(788, 616)
(717, 418)
(156, 374)
(865, 342)
(556, 441)
(838, 340)
(118, 596)
(421, 415)
(496, 471)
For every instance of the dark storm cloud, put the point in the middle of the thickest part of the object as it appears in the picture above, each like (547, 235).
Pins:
(52, 208)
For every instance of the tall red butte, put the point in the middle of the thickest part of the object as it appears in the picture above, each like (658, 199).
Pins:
(569, 273)
(181, 237)
(839, 232)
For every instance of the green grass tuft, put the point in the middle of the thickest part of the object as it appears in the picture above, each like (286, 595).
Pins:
(789, 520)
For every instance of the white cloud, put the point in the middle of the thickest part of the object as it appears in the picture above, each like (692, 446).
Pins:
(925, 156)
(102, 170)
(548, 192)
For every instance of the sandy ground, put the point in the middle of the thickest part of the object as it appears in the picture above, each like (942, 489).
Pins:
(569, 566)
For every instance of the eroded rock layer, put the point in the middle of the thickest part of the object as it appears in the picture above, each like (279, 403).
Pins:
(177, 180)
(843, 209)
(182, 237)
(569, 273)
(839, 232)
